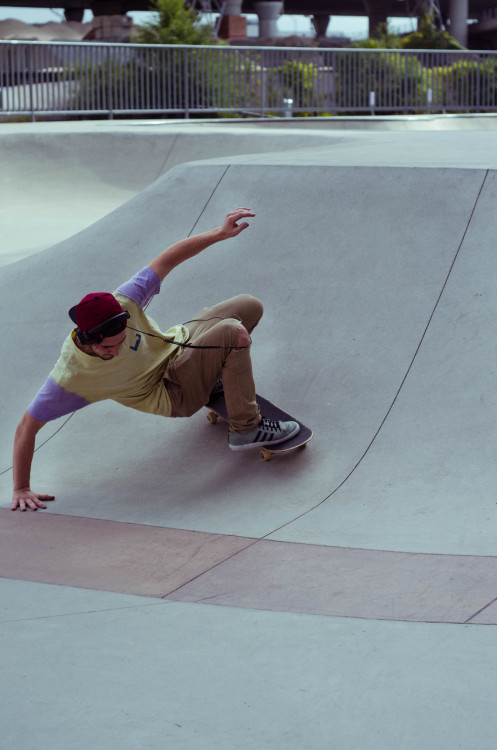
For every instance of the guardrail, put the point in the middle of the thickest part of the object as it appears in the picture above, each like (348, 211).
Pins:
(86, 78)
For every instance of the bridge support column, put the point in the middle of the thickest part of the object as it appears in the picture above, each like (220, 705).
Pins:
(268, 12)
(74, 14)
(377, 11)
(458, 14)
(233, 24)
(320, 22)
(233, 8)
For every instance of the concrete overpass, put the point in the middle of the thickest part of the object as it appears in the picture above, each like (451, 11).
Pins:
(455, 13)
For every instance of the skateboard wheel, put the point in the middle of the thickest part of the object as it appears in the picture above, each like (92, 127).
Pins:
(266, 455)
(212, 417)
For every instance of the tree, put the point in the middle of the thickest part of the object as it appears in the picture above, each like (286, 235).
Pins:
(429, 37)
(426, 37)
(175, 23)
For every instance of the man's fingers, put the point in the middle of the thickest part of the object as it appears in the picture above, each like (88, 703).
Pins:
(239, 228)
(21, 505)
(33, 502)
(241, 209)
(240, 213)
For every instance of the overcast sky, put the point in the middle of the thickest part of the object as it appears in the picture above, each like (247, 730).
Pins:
(350, 26)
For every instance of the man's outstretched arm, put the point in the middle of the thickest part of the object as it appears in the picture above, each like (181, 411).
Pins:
(24, 446)
(187, 248)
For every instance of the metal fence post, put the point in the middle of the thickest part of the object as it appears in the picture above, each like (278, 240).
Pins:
(262, 68)
(30, 81)
(372, 102)
(110, 102)
(478, 86)
(186, 103)
(287, 107)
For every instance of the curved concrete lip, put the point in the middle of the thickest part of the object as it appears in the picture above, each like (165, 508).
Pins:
(373, 254)
(58, 178)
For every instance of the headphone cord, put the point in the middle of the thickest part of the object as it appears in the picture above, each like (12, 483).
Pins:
(186, 344)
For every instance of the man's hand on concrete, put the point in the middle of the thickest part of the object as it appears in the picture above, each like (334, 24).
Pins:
(26, 498)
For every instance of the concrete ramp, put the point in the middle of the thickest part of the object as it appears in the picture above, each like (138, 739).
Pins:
(378, 332)
(59, 178)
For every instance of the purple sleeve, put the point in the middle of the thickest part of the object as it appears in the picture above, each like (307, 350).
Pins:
(52, 402)
(141, 287)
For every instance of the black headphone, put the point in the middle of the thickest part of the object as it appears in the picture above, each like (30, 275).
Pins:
(110, 327)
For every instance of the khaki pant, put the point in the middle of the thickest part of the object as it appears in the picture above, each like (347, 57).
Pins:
(191, 377)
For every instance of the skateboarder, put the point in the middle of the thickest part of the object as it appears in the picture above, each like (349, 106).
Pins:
(118, 352)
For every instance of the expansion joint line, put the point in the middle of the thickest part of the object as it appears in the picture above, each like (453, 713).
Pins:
(45, 441)
(479, 612)
(208, 200)
(162, 168)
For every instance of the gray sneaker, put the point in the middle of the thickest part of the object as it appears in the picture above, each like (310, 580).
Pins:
(267, 432)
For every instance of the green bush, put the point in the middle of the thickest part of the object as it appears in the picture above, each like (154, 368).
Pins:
(465, 82)
(397, 80)
(381, 39)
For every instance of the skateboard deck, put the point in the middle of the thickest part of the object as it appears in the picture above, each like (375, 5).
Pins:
(217, 406)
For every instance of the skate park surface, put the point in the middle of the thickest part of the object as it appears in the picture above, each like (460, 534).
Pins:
(177, 594)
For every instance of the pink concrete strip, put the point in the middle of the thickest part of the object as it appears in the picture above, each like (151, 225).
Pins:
(342, 582)
(192, 566)
(107, 555)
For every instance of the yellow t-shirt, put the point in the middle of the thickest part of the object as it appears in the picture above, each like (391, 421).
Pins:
(134, 378)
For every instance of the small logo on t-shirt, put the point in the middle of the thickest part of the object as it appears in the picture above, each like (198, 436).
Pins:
(137, 342)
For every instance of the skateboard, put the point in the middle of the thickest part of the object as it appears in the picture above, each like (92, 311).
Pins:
(217, 406)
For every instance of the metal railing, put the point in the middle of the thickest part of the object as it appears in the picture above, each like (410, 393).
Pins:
(85, 78)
